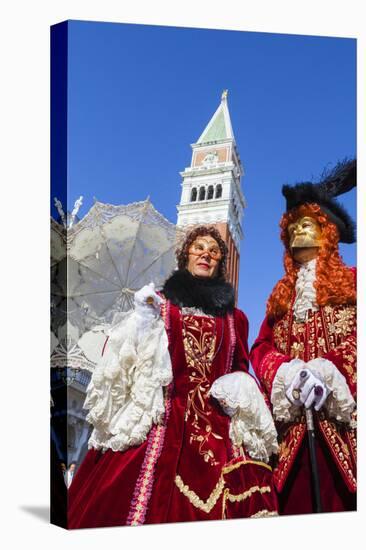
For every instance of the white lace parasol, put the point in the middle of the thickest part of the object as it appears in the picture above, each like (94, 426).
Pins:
(97, 265)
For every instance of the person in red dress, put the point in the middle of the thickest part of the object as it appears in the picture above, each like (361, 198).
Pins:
(181, 432)
(305, 353)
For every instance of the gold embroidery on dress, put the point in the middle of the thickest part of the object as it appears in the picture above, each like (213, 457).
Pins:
(246, 494)
(322, 346)
(297, 349)
(290, 441)
(194, 498)
(268, 368)
(345, 322)
(199, 346)
(279, 334)
(208, 505)
(230, 467)
(339, 447)
(242, 496)
(298, 328)
(349, 359)
(339, 321)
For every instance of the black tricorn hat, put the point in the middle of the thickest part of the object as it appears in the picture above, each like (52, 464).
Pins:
(334, 182)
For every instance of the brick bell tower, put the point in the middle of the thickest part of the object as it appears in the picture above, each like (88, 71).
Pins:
(211, 190)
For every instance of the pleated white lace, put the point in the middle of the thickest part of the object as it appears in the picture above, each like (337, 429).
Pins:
(125, 394)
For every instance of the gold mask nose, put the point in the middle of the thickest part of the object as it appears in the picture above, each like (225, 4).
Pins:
(305, 232)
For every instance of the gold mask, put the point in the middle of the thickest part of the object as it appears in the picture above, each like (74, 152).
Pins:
(203, 245)
(305, 233)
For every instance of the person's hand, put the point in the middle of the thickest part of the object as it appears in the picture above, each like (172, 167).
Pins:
(230, 411)
(147, 301)
(308, 390)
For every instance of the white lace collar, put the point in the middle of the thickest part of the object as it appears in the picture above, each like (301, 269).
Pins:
(195, 311)
(305, 291)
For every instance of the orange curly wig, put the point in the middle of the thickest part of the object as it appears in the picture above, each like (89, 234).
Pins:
(334, 283)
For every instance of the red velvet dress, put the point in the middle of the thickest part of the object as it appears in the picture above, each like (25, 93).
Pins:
(330, 333)
(187, 469)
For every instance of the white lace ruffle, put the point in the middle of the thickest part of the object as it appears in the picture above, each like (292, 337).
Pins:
(305, 292)
(125, 394)
(251, 421)
(339, 403)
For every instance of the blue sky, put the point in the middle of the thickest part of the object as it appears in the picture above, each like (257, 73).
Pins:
(139, 95)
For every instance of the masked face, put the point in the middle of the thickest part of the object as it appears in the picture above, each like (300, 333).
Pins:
(305, 232)
(204, 256)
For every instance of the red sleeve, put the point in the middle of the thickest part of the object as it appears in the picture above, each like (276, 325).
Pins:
(265, 357)
(241, 354)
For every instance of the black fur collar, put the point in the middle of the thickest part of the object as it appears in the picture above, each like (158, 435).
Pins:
(212, 296)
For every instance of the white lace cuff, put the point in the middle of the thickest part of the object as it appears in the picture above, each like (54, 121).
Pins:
(125, 394)
(340, 403)
(283, 409)
(251, 421)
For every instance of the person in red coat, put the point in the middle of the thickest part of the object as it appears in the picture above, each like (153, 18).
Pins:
(181, 430)
(305, 353)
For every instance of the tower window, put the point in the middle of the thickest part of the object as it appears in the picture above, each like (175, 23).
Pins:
(201, 196)
(218, 191)
(210, 192)
(194, 194)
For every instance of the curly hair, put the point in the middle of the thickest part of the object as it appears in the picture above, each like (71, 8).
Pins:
(334, 283)
(182, 252)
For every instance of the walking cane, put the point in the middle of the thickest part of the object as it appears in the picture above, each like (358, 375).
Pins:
(313, 459)
(311, 438)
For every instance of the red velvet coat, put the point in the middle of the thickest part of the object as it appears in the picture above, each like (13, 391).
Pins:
(330, 333)
(187, 469)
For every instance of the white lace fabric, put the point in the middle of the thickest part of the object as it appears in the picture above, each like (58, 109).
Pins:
(305, 299)
(195, 311)
(283, 409)
(251, 421)
(125, 395)
(339, 403)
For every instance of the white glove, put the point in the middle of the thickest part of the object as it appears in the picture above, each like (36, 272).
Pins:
(147, 307)
(147, 302)
(308, 390)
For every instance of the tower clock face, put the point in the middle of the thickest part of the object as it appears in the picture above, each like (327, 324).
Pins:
(211, 156)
